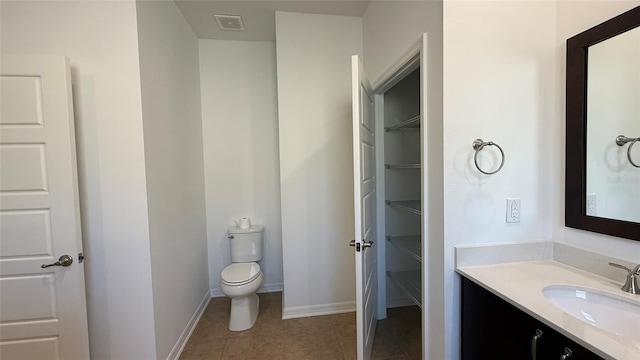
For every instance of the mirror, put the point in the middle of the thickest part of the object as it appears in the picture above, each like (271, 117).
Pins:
(613, 109)
(602, 190)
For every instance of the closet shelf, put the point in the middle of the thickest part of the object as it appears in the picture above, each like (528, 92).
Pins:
(402, 166)
(414, 122)
(412, 206)
(409, 282)
(411, 244)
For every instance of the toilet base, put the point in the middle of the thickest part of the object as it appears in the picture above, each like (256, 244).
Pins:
(244, 311)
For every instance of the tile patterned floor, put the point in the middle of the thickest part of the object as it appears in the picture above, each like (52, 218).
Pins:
(320, 337)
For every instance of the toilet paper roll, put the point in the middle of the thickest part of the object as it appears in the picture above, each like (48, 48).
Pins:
(244, 223)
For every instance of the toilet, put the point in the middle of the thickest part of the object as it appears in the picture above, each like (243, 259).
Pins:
(240, 280)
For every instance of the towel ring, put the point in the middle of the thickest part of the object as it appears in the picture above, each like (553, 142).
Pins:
(478, 145)
(621, 140)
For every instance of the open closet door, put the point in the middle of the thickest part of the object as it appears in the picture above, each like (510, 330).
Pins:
(43, 313)
(364, 193)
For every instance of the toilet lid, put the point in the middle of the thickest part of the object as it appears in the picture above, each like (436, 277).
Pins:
(240, 272)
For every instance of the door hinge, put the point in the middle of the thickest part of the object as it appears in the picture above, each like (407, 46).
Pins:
(80, 258)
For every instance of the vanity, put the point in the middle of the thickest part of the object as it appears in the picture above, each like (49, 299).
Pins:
(511, 311)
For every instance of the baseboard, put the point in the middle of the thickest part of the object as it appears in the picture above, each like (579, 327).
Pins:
(273, 287)
(175, 352)
(399, 301)
(265, 288)
(216, 292)
(317, 310)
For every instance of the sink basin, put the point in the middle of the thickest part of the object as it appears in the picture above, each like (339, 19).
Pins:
(603, 310)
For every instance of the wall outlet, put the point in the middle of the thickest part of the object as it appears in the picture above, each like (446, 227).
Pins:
(592, 204)
(513, 210)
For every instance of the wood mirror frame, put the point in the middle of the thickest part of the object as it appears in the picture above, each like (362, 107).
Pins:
(576, 131)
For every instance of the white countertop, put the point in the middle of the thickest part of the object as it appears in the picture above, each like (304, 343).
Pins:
(521, 285)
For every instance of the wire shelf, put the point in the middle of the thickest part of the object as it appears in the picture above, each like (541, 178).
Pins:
(412, 206)
(410, 244)
(410, 282)
(402, 166)
(414, 122)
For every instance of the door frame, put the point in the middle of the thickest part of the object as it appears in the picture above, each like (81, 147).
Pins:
(413, 58)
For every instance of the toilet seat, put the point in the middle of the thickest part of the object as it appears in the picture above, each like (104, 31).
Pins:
(238, 274)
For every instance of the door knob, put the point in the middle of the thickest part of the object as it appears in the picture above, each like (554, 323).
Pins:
(365, 244)
(354, 243)
(64, 260)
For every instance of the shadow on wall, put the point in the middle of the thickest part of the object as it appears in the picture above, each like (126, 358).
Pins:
(83, 94)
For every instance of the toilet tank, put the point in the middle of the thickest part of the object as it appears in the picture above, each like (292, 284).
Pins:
(246, 244)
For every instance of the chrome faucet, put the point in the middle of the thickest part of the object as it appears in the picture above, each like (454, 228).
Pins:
(631, 285)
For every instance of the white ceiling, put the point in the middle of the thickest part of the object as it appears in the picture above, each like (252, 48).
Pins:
(258, 16)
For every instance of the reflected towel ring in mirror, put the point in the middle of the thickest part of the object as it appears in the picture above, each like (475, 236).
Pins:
(621, 140)
(478, 145)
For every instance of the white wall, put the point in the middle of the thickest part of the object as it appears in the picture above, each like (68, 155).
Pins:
(316, 167)
(240, 131)
(499, 66)
(390, 28)
(101, 42)
(170, 84)
(574, 17)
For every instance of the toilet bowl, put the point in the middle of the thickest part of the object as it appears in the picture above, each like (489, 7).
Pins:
(240, 281)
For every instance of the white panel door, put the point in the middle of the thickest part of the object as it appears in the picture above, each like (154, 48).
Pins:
(364, 192)
(42, 310)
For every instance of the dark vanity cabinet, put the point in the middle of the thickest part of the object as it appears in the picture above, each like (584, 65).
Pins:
(495, 329)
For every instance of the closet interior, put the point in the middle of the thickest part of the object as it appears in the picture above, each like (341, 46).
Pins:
(402, 165)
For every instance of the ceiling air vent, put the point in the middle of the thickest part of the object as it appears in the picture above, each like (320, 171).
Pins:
(229, 22)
